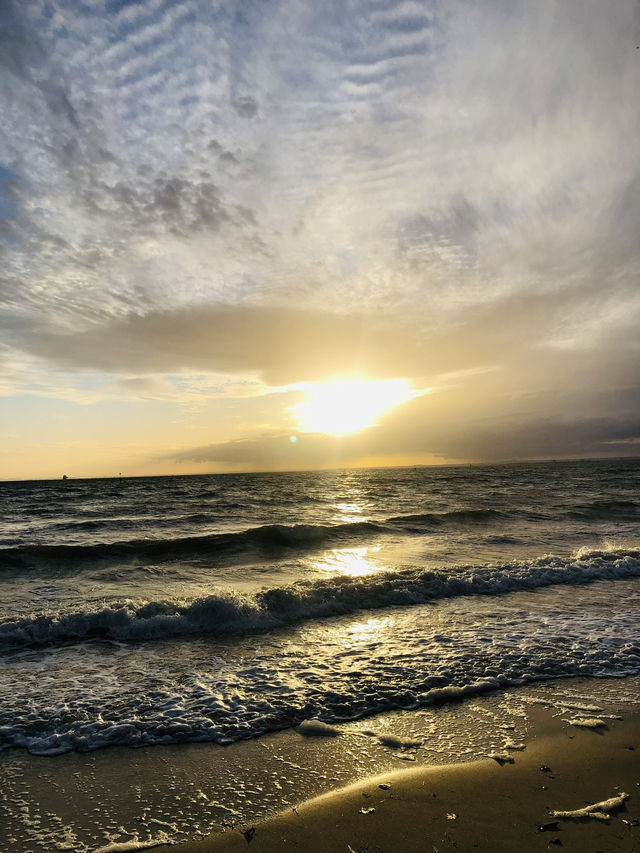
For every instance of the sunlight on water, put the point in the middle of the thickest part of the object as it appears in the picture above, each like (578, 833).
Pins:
(354, 562)
(349, 511)
(370, 631)
(217, 608)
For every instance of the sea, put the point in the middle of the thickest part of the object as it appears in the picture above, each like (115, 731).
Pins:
(217, 608)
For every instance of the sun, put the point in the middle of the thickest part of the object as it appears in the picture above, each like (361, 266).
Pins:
(344, 406)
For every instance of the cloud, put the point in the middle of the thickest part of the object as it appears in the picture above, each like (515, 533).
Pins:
(528, 343)
(490, 442)
(288, 190)
(171, 204)
(143, 386)
(401, 154)
(245, 106)
(284, 345)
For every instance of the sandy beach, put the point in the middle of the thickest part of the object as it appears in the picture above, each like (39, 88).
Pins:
(505, 803)
(404, 782)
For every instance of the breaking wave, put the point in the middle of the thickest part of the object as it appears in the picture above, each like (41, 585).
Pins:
(228, 613)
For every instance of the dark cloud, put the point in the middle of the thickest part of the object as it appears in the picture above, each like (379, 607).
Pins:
(245, 106)
(542, 426)
(56, 96)
(493, 442)
(20, 48)
(173, 204)
(9, 193)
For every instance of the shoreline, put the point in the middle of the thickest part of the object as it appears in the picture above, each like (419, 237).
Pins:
(202, 797)
(499, 805)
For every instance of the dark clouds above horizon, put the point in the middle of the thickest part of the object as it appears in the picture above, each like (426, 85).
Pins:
(278, 192)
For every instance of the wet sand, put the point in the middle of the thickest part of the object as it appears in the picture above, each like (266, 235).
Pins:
(486, 806)
(288, 792)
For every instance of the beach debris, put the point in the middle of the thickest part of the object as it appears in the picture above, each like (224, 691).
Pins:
(633, 821)
(249, 833)
(545, 769)
(452, 816)
(549, 827)
(317, 727)
(385, 786)
(555, 841)
(587, 723)
(367, 811)
(502, 758)
(598, 811)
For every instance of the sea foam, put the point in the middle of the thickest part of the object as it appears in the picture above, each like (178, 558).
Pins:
(228, 613)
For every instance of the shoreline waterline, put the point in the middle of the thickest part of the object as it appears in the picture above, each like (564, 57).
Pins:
(123, 799)
(489, 806)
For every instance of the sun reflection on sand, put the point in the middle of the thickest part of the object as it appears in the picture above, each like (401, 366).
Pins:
(354, 562)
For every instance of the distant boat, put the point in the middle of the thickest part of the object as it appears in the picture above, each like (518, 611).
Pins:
(64, 477)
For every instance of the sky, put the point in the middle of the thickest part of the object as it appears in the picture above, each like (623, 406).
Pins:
(288, 234)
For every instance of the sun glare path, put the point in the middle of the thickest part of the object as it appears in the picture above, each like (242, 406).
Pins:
(352, 562)
(350, 405)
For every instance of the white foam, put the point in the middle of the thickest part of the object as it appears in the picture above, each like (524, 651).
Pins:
(134, 844)
(502, 757)
(587, 722)
(194, 691)
(229, 613)
(577, 706)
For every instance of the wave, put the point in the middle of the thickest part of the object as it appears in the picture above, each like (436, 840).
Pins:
(426, 520)
(267, 539)
(228, 613)
(606, 510)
